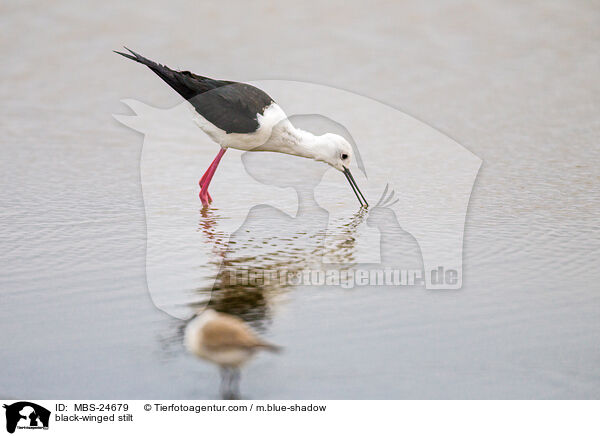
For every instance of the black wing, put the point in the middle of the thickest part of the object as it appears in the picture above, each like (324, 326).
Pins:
(231, 106)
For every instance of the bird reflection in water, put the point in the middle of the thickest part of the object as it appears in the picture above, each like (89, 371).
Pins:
(226, 341)
(269, 242)
(272, 244)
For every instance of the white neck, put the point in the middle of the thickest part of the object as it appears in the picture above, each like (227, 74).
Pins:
(288, 139)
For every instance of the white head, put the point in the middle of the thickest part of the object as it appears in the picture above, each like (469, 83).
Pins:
(330, 148)
(336, 151)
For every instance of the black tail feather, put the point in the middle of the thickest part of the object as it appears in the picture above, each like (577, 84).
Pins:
(232, 106)
(138, 58)
(125, 54)
(187, 84)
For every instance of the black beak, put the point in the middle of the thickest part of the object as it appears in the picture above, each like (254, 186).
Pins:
(354, 186)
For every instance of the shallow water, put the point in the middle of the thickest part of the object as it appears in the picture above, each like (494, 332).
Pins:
(514, 85)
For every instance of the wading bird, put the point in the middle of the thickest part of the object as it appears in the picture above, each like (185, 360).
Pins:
(241, 116)
(226, 341)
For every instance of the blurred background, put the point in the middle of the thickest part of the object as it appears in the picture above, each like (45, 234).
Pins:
(514, 82)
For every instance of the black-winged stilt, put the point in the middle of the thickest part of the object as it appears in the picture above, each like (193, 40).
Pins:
(241, 116)
(226, 341)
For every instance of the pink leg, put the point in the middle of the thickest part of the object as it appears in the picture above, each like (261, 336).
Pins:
(201, 181)
(207, 172)
(207, 177)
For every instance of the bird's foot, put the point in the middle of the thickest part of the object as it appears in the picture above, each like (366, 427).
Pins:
(205, 197)
(200, 183)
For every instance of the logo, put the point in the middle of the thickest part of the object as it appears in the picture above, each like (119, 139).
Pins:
(26, 415)
(277, 214)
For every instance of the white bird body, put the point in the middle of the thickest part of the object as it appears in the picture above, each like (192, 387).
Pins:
(267, 121)
(276, 134)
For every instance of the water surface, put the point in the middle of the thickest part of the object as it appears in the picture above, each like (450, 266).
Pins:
(514, 84)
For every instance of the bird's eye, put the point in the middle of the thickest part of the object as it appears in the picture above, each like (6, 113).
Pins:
(344, 156)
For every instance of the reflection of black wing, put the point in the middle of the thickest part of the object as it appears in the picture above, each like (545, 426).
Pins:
(231, 106)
